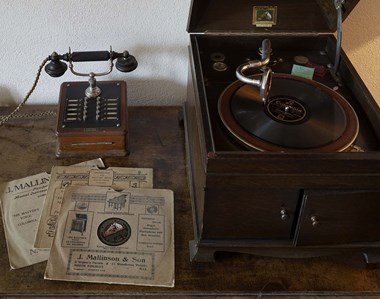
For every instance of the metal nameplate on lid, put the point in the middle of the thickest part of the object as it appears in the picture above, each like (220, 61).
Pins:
(264, 16)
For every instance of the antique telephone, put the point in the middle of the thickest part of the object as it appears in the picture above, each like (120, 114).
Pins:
(92, 116)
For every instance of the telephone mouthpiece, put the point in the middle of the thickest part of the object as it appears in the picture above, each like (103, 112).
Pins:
(127, 63)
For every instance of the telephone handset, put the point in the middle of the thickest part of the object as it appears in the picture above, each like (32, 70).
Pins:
(92, 116)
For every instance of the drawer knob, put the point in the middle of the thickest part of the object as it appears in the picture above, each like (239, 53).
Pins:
(284, 215)
(314, 221)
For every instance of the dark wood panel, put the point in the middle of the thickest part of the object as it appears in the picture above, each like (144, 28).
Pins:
(321, 180)
(293, 15)
(261, 214)
(339, 217)
(196, 158)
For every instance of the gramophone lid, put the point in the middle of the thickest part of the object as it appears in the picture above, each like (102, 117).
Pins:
(292, 16)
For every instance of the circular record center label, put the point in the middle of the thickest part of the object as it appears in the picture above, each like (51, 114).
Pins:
(114, 231)
(286, 109)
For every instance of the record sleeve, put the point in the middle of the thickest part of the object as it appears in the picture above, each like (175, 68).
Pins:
(109, 236)
(21, 206)
(22, 201)
(63, 176)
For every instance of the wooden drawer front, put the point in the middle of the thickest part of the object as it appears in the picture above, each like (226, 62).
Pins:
(249, 214)
(339, 217)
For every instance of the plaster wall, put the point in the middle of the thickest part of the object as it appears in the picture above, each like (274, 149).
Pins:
(361, 42)
(153, 31)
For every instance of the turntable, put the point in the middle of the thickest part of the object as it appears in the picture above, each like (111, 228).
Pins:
(283, 137)
(296, 114)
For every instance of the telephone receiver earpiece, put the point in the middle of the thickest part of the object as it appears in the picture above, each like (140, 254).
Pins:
(126, 63)
(55, 68)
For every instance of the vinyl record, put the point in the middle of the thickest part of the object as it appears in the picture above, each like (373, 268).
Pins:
(299, 115)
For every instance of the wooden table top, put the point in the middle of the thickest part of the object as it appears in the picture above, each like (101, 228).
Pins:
(27, 147)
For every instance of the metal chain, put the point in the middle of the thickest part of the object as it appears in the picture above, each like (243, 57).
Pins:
(6, 118)
(29, 115)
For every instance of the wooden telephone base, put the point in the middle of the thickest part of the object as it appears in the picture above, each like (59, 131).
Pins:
(92, 126)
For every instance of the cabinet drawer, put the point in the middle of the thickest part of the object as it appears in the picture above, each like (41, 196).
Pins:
(339, 217)
(250, 214)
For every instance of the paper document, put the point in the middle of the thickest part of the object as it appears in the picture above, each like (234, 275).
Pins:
(108, 236)
(21, 205)
(62, 177)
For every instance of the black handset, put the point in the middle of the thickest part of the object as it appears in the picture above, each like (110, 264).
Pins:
(92, 116)
(56, 67)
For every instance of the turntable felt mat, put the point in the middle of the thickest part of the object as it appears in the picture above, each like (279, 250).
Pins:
(323, 123)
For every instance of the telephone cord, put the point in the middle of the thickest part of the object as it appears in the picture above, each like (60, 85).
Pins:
(6, 118)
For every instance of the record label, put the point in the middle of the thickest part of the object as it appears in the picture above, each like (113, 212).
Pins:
(285, 109)
(114, 231)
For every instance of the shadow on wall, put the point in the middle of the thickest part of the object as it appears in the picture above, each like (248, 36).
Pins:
(361, 27)
(155, 92)
(161, 76)
(6, 97)
(361, 42)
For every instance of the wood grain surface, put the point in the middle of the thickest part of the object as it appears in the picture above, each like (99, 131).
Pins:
(27, 147)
